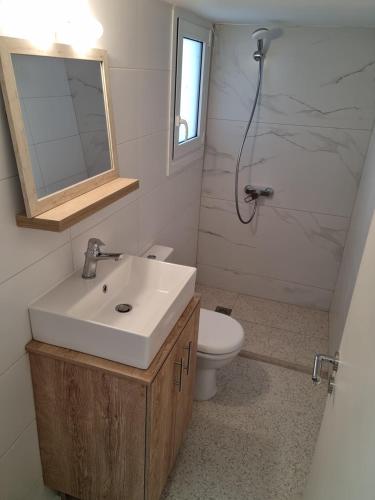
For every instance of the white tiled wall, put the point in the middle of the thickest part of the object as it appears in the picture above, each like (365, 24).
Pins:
(360, 223)
(165, 210)
(308, 142)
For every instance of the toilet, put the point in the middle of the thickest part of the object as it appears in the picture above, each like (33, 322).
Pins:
(220, 339)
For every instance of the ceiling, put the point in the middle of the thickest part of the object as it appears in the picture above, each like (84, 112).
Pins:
(302, 12)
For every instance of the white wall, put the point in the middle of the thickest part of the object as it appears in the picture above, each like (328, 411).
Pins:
(309, 142)
(165, 210)
(362, 215)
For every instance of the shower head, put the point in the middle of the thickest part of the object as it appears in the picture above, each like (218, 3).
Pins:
(260, 34)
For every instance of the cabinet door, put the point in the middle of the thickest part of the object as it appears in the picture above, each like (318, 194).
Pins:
(187, 345)
(169, 405)
(161, 406)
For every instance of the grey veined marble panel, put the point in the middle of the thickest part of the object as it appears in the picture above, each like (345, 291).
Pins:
(308, 141)
(312, 76)
(310, 168)
(269, 288)
(300, 247)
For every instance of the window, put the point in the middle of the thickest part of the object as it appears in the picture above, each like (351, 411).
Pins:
(189, 93)
(192, 54)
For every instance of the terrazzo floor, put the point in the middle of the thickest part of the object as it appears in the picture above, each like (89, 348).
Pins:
(255, 439)
(282, 332)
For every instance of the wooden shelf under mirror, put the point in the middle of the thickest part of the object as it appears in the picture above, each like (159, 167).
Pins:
(69, 213)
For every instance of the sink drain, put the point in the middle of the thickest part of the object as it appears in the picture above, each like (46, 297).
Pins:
(123, 308)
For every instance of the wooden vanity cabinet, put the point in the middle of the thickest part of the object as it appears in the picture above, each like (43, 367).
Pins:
(111, 431)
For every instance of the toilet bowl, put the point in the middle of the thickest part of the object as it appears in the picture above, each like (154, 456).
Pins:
(220, 339)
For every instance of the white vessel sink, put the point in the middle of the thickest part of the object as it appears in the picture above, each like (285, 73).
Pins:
(81, 314)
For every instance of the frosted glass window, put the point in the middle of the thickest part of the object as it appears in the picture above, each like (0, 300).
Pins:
(192, 55)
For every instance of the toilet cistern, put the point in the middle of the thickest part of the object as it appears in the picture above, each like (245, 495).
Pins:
(93, 255)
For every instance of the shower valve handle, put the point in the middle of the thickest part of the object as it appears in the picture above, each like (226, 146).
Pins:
(253, 192)
(251, 195)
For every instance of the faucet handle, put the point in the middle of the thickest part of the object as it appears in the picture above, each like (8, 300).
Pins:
(93, 246)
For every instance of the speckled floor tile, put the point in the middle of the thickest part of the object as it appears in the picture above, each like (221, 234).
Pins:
(294, 347)
(213, 297)
(254, 440)
(279, 315)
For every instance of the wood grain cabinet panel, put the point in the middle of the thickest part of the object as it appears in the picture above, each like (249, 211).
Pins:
(108, 431)
(184, 401)
(171, 403)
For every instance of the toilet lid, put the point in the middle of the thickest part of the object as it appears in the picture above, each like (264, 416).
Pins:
(218, 333)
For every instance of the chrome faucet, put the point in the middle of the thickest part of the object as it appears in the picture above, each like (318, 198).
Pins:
(93, 255)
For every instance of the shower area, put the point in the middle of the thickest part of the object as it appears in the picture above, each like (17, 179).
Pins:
(303, 146)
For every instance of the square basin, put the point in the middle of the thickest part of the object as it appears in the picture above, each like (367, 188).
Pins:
(124, 314)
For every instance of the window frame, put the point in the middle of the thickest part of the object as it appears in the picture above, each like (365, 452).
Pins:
(188, 26)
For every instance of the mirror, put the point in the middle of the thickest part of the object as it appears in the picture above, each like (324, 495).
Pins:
(64, 115)
(58, 107)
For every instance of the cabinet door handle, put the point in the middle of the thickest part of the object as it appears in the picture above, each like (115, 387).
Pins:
(187, 366)
(178, 382)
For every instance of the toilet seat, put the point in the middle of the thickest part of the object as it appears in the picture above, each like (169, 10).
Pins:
(219, 334)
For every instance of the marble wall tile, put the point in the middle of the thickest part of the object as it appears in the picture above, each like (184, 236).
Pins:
(309, 168)
(312, 76)
(268, 288)
(308, 141)
(300, 247)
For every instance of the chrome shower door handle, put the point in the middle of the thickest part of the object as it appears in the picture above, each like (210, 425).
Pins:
(319, 359)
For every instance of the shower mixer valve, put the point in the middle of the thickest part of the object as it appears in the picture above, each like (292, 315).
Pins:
(255, 192)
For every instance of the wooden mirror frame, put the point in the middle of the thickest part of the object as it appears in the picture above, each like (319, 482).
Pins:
(33, 205)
